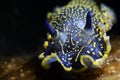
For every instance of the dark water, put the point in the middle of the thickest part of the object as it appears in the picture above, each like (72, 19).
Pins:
(22, 28)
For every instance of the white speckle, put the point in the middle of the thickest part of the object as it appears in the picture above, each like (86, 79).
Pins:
(67, 64)
(65, 60)
(77, 42)
(81, 24)
(91, 49)
(99, 39)
(63, 37)
(69, 55)
(62, 58)
(65, 54)
(68, 46)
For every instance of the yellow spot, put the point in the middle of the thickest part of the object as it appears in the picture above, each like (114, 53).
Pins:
(107, 26)
(97, 29)
(73, 48)
(49, 36)
(101, 44)
(89, 41)
(100, 53)
(45, 45)
(94, 44)
(68, 46)
(103, 20)
(96, 35)
(66, 50)
(41, 56)
(69, 58)
(101, 34)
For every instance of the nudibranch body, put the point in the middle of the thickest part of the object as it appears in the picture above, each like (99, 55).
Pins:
(77, 35)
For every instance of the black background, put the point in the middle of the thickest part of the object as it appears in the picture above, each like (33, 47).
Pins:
(22, 28)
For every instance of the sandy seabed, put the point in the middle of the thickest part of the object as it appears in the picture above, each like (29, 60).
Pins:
(17, 68)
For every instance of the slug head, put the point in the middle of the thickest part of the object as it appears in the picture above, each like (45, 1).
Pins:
(76, 45)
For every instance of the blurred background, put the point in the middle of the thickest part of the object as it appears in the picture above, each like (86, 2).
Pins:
(22, 28)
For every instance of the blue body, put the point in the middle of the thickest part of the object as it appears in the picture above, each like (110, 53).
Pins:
(77, 36)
